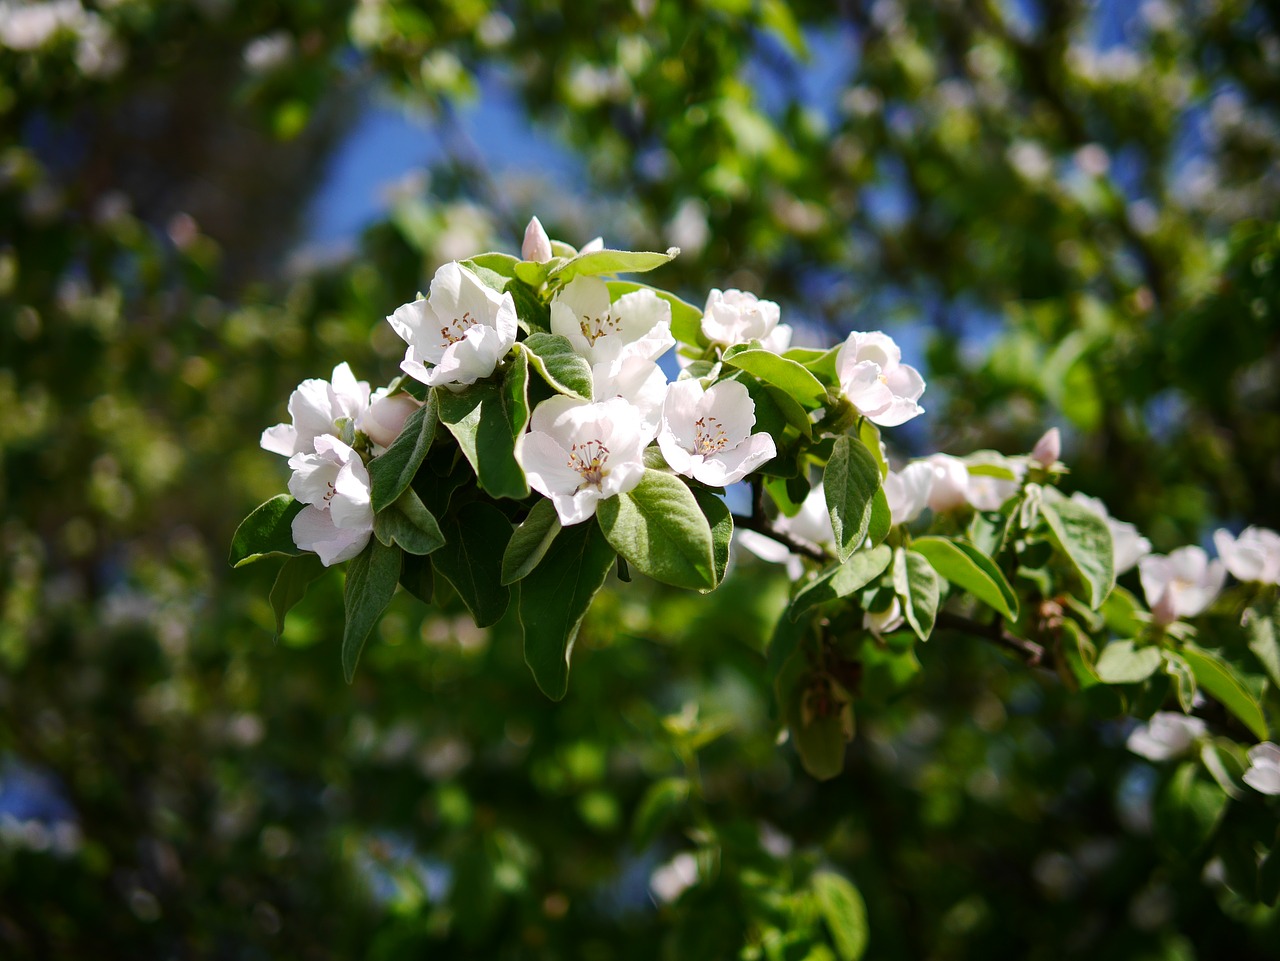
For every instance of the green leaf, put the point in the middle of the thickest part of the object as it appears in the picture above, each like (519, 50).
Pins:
(1184, 680)
(720, 518)
(392, 471)
(477, 417)
(842, 580)
(408, 523)
(530, 542)
(821, 363)
(1122, 663)
(562, 367)
(610, 262)
(881, 518)
(1085, 539)
(515, 393)
(1222, 682)
(657, 806)
(844, 912)
(869, 434)
(471, 560)
(416, 577)
(371, 583)
(554, 598)
(1264, 638)
(1188, 810)
(291, 585)
(686, 319)
(850, 482)
(660, 530)
(531, 313)
(917, 585)
(266, 531)
(777, 370)
(500, 263)
(971, 570)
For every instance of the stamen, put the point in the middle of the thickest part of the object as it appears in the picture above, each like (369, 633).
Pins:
(593, 328)
(709, 436)
(589, 459)
(461, 325)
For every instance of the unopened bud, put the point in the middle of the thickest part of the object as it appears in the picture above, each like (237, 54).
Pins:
(537, 245)
(1048, 448)
(1165, 610)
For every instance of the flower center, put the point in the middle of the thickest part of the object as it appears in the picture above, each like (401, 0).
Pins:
(331, 492)
(588, 459)
(709, 436)
(456, 329)
(593, 328)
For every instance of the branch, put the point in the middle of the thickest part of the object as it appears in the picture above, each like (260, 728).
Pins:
(1032, 653)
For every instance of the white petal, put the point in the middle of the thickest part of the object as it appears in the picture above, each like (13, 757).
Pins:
(313, 530)
(731, 466)
(899, 411)
(730, 404)
(546, 465)
(680, 410)
(350, 506)
(281, 439)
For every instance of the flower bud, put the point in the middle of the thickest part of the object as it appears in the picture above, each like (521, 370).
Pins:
(1048, 448)
(884, 622)
(386, 416)
(537, 245)
(1165, 610)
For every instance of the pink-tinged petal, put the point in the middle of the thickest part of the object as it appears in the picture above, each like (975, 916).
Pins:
(575, 508)
(281, 439)
(865, 390)
(950, 482)
(446, 293)
(312, 411)
(675, 454)
(411, 321)
(312, 479)
(680, 410)
(765, 548)
(546, 465)
(1155, 575)
(554, 413)
(905, 381)
(537, 245)
(778, 340)
(623, 477)
(582, 308)
(313, 530)
(351, 506)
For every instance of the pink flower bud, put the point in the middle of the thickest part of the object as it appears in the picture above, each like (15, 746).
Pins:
(1165, 610)
(385, 418)
(537, 245)
(1048, 448)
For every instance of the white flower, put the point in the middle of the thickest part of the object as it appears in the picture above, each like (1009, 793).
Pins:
(672, 879)
(384, 420)
(1165, 736)
(637, 324)
(875, 380)
(907, 491)
(334, 484)
(462, 330)
(707, 435)
(1253, 556)
(988, 493)
(1048, 448)
(884, 622)
(813, 522)
(315, 407)
(641, 383)
(736, 317)
(537, 245)
(1182, 584)
(1130, 546)
(1264, 768)
(950, 486)
(580, 453)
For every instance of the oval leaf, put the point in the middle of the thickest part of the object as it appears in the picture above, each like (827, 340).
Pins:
(471, 560)
(371, 583)
(478, 418)
(661, 532)
(530, 542)
(1085, 539)
(610, 262)
(720, 518)
(844, 912)
(971, 570)
(842, 579)
(563, 368)
(291, 585)
(774, 369)
(392, 471)
(408, 523)
(1220, 679)
(916, 584)
(1123, 663)
(850, 481)
(266, 531)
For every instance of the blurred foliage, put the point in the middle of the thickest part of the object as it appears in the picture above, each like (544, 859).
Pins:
(1073, 205)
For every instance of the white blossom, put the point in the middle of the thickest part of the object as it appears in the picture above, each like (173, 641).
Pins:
(950, 486)
(537, 245)
(636, 325)
(737, 316)
(1253, 556)
(706, 434)
(1182, 584)
(579, 453)
(386, 416)
(1264, 768)
(1130, 546)
(315, 407)
(884, 622)
(672, 879)
(907, 491)
(873, 377)
(988, 493)
(1166, 735)
(461, 330)
(334, 484)
(641, 383)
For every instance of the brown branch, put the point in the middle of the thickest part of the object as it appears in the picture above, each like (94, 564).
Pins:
(1033, 654)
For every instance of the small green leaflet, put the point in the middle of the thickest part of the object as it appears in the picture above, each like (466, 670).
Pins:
(393, 470)
(530, 542)
(1220, 679)
(918, 587)
(1121, 662)
(555, 360)
(786, 374)
(291, 585)
(478, 418)
(971, 570)
(1085, 539)
(408, 523)
(851, 481)
(844, 912)
(371, 583)
(599, 262)
(660, 530)
(554, 598)
(843, 579)
(266, 531)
